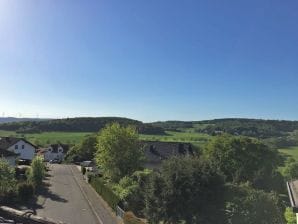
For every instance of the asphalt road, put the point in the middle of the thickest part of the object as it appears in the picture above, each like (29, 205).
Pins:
(71, 200)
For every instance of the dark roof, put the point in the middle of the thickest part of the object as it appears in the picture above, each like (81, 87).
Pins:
(6, 142)
(157, 151)
(56, 146)
(6, 153)
(293, 194)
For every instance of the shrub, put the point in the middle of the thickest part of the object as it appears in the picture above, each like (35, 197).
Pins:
(107, 194)
(7, 179)
(130, 218)
(83, 170)
(37, 171)
(290, 216)
(25, 191)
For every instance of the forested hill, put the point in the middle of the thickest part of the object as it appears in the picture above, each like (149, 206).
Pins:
(14, 119)
(236, 126)
(82, 124)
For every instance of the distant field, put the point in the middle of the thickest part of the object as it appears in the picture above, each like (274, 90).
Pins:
(198, 139)
(291, 152)
(46, 138)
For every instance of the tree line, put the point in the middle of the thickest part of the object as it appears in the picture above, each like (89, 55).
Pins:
(82, 124)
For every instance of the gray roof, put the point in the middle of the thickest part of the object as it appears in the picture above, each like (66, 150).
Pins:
(6, 142)
(156, 151)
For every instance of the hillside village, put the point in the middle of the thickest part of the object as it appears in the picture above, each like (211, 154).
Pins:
(123, 173)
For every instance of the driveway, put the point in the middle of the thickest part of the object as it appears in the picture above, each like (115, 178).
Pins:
(71, 200)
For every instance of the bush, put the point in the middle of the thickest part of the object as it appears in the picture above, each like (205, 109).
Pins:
(25, 191)
(83, 170)
(37, 171)
(290, 216)
(107, 194)
(7, 180)
(130, 218)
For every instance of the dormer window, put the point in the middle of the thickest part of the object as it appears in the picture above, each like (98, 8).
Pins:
(16, 147)
(60, 150)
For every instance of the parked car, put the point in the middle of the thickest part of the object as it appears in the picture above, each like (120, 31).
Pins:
(53, 161)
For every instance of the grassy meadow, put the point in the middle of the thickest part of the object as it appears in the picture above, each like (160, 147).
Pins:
(290, 152)
(195, 138)
(46, 138)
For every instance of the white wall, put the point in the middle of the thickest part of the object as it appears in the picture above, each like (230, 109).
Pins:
(51, 156)
(27, 153)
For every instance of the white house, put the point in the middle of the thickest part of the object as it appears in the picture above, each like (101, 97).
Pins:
(20, 146)
(55, 151)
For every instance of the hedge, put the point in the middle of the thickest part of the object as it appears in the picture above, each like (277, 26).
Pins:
(106, 193)
(130, 218)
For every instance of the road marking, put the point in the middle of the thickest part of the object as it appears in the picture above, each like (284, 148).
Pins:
(85, 196)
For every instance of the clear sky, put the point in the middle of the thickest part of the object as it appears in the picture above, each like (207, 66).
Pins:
(149, 59)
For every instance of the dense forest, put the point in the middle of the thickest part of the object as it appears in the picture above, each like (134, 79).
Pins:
(251, 127)
(83, 124)
(235, 126)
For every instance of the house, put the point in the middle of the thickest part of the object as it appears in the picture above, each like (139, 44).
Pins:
(293, 195)
(20, 146)
(155, 152)
(55, 151)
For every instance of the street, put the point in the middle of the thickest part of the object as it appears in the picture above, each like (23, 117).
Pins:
(72, 200)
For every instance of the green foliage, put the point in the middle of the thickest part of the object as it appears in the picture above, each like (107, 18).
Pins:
(25, 191)
(291, 170)
(251, 127)
(37, 171)
(119, 153)
(185, 189)
(85, 150)
(290, 216)
(126, 187)
(246, 205)
(242, 159)
(81, 124)
(7, 179)
(130, 218)
(107, 193)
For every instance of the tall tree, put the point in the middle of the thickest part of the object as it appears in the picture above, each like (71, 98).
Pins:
(185, 189)
(242, 159)
(118, 152)
(247, 205)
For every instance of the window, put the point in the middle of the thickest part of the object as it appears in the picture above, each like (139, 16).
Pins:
(23, 146)
(16, 147)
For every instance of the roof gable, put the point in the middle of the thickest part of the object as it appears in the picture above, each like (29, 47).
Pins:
(6, 142)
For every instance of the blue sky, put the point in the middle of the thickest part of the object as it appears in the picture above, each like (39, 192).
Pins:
(149, 60)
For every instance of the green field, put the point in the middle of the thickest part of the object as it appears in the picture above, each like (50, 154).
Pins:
(198, 139)
(290, 152)
(46, 138)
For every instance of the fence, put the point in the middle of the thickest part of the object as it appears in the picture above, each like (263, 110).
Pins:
(119, 212)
